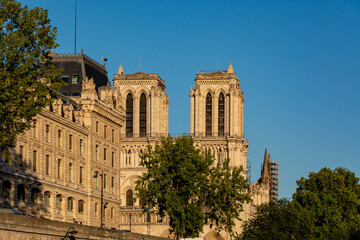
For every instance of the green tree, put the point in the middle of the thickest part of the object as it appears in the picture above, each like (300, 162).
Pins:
(182, 183)
(27, 75)
(326, 205)
(332, 199)
(276, 220)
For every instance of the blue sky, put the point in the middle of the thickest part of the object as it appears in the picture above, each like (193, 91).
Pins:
(298, 63)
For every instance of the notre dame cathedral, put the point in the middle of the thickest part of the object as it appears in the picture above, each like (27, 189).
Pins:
(80, 160)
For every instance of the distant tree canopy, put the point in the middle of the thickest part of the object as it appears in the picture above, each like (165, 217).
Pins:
(182, 183)
(326, 205)
(27, 75)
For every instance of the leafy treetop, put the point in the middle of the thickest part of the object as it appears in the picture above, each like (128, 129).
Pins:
(182, 183)
(27, 75)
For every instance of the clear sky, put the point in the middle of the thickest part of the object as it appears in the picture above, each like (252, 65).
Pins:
(298, 63)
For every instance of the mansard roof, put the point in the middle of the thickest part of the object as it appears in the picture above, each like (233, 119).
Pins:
(79, 64)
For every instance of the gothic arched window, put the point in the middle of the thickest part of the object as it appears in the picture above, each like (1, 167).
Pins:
(208, 121)
(221, 115)
(129, 198)
(129, 115)
(142, 119)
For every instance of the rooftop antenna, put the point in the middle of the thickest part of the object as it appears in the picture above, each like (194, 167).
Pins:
(218, 63)
(75, 27)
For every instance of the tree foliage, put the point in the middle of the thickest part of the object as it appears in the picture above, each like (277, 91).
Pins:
(326, 205)
(182, 183)
(332, 199)
(276, 220)
(27, 75)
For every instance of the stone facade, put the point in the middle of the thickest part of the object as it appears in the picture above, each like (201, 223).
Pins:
(84, 145)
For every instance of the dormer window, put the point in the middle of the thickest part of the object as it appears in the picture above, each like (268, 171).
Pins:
(75, 79)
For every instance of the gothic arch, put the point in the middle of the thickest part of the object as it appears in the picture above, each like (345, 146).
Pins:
(208, 114)
(129, 103)
(130, 90)
(143, 110)
(209, 90)
(129, 182)
(220, 90)
(143, 91)
(221, 114)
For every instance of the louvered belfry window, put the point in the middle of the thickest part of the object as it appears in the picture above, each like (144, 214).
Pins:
(142, 119)
(221, 115)
(208, 122)
(129, 115)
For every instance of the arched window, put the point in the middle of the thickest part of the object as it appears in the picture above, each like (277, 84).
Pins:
(47, 198)
(129, 157)
(221, 115)
(129, 115)
(59, 201)
(81, 206)
(129, 198)
(35, 195)
(220, 158)
(142, 122)
(70, 204)
(7, 190)
(208, 122)
(21, 192)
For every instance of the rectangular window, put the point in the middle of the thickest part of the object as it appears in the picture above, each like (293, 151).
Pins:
(112, 135)
(75, 94)
(75, 79)
(97, 127)
(47, 135)
(97, 152)
(81, 175)
(47, 165)
(81, 147)
(112, 159)
(105, 182)
(21, 156)
(96, 209)
(34, 128)
(105, 155)
(59, 169)
(105, 132)
(70, 172)
(112, 184)
(65, 78)
(96, 182)
(70, 142)
(34, 160)
(59, 138)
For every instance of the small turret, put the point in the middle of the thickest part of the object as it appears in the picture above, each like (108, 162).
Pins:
(121, 70)
(230, 68)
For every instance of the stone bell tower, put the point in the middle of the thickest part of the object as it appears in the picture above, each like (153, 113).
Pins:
(143, 97)
(216, 117)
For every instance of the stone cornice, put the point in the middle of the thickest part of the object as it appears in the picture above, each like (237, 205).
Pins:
(64, 121)
(139, 78)
(103, 110)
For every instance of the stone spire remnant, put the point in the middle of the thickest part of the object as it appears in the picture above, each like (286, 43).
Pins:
(120, 70)
(230, 68)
